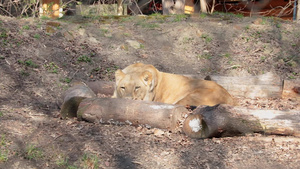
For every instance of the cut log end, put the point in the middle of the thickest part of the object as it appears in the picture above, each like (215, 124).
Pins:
(194, 126)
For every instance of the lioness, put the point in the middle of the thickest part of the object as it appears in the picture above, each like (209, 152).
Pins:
(144, 82)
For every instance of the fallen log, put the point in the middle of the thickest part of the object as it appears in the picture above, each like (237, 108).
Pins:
(102, 87)
(225, 120)
(73, 96)
(263, 86)
(132, 112)
(267, 85)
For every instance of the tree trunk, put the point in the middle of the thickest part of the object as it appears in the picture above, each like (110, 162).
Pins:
(298, 11)
(179, 6)
(168, 6)
(120, 7)
(203, 6)
(224, 120)
(132, 112)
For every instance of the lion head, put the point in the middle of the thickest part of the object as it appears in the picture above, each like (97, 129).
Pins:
(136, 85)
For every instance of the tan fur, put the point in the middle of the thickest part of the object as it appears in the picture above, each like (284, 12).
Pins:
(144, 82)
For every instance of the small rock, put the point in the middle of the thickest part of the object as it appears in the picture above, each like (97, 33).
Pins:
(81, 32)
(134, 44)
(158, 132)
(93, 40)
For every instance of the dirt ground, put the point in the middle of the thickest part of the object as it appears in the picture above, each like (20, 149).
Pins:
(40, 58)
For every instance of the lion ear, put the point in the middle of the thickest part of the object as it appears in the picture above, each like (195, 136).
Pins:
(148, 79)
(119, 75)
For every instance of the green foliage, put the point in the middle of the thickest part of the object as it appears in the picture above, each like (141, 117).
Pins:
(89, 161)
(204, 56)
(3, 155)
(278, 25)
(180, 17)
(3, 141)
(62, 161)
(3, 151)
(187, 39)
(292, 77)
(1, 113)
(227, 55)
(227, 15)
(3, 33)
(37, 36)
(84, 58)
(26, 27)
(206, 37)
(263, 58)
(32, 152)
(158, 17)
(145, 24)
(51, 67)
(28, 63)
(104, 30)
(66, 80)
(24, 73)
(203, 15)
(239, 15)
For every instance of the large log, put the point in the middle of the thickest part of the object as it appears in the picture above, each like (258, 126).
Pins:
(262, 86)
(73, 96)
(224, 120)
(133, 112)
(102, 87)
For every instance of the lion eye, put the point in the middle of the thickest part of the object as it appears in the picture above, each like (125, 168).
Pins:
(123, 88)
(137, 88)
